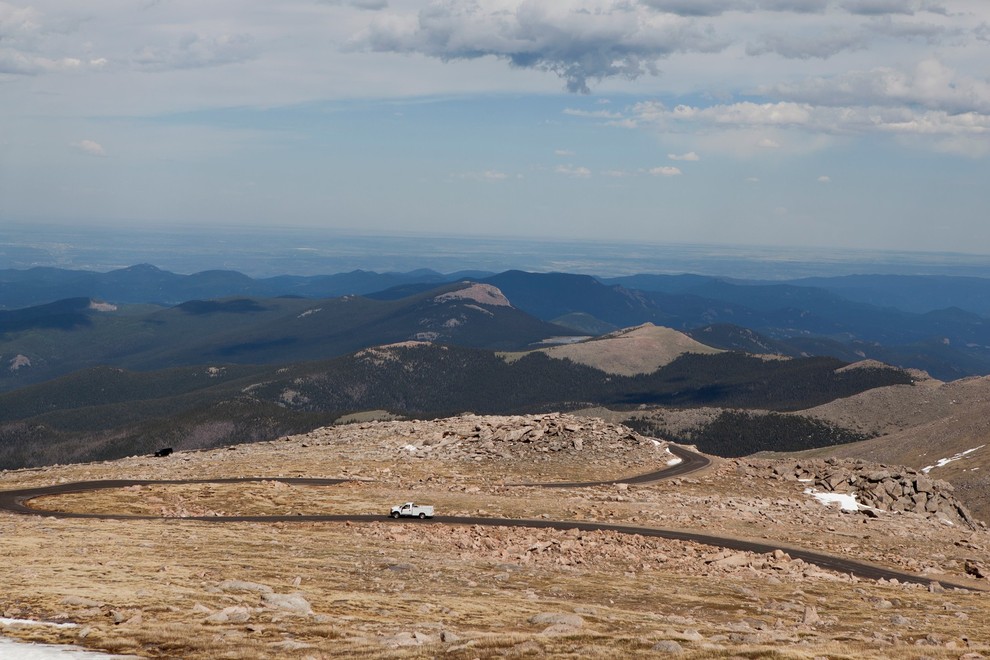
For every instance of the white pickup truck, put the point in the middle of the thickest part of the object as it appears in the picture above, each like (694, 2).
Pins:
(411, 510)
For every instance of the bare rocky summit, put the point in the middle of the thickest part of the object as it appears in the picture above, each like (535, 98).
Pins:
(485, 294)
(479, 437)
(631, 351)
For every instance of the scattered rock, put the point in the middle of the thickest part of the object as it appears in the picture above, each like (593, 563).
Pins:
(80, 601)
(235, 614)
(401, 639)
(877, 488)
(555, 618)
(294, 603)
(668, 646)
(241, 585)
(289, 645)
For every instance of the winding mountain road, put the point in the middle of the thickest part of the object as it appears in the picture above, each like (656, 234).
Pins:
(18, 501)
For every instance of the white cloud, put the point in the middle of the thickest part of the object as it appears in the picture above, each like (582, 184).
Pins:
(564, 153)
(803, 47)
(824, 179)
(197, 50)
(718, 7)
(768, 143)
(885, 7)
(689, 156)
(812, 119)
(930, 84)
(90, 147)
(665, 171)
(491, 176)
(594, 114)
(572, 171)
(579, 40)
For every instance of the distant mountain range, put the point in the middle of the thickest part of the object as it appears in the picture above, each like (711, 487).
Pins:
(162, 319)
(43, 342)
(101, 365)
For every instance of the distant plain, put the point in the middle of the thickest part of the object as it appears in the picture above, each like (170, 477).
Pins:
(277, 250)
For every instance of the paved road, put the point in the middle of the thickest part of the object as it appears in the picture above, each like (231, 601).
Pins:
(17, 501)
(690, 462)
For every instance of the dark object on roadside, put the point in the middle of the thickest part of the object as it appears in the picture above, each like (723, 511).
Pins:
(164, 451)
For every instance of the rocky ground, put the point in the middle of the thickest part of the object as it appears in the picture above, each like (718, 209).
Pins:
(180, 588)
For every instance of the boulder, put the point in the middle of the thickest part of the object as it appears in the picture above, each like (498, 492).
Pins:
(553, 618)
(235, 614)
(294, 603)
(668, 647)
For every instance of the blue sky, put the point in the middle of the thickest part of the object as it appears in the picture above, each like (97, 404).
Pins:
(856, 123)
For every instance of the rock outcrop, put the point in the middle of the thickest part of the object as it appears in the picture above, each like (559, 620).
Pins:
(475, 437)
(878, 487)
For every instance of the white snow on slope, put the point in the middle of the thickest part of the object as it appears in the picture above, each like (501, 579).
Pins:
(4, 621)
(945, 461)
(14, 649)
(11, 649)
(846, 502)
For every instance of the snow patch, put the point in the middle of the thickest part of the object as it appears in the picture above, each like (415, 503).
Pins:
(845, 502)
(479, 309)
(20, 361)
(309, 312)
(17, 650)
(559, 341)
(31, 622)
(13, 648)
(411, 448)
(942, 462)
(675, 460)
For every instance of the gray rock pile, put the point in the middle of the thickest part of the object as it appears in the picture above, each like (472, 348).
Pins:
(879, 487)
(476, 437)
(542, 433)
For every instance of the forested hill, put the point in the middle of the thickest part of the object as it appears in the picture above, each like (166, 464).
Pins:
(104, 413)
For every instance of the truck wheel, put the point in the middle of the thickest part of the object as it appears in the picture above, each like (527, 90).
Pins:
(422, 515)
(395, 514)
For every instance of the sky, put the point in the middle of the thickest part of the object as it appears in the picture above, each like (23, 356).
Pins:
(839, 123)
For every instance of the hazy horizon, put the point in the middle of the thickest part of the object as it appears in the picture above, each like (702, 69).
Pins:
(271, 251)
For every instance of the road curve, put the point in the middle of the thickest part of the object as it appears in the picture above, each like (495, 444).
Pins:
(689, 462)
(17, 501)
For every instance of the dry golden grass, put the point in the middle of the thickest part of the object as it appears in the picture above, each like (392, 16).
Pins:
(149, 588)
